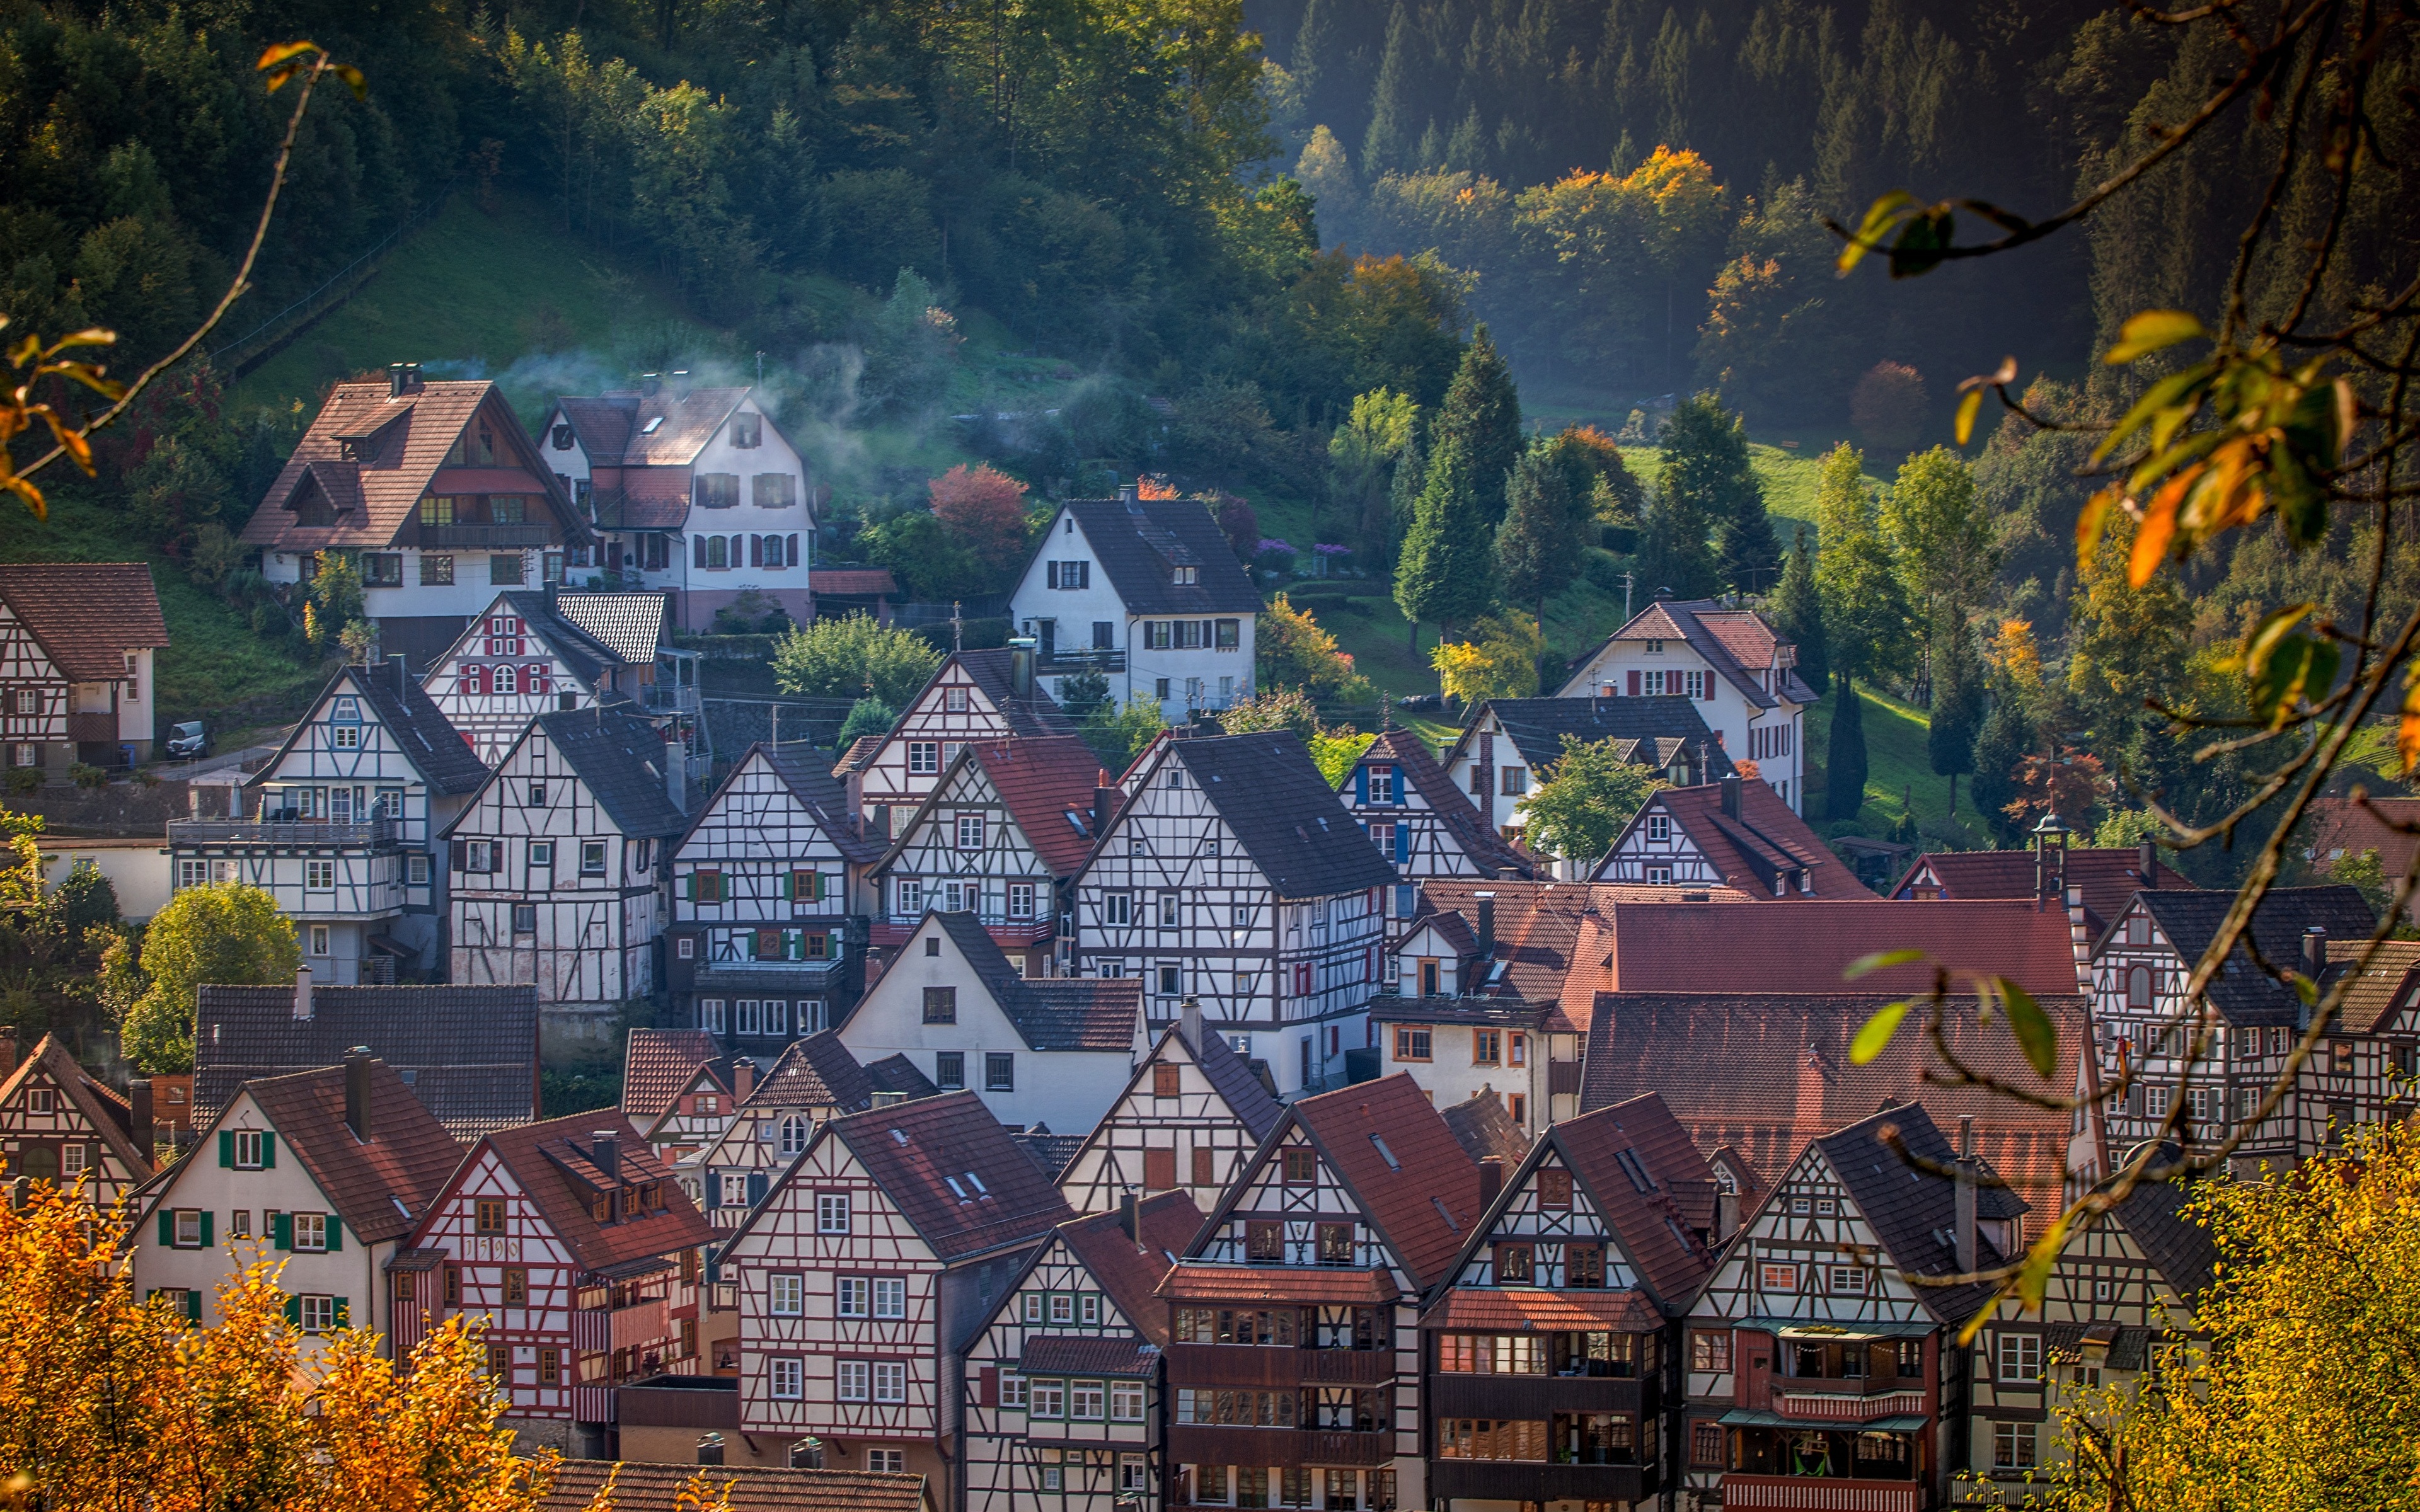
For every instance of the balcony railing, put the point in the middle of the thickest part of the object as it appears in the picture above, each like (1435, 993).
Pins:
(1061, 663)
(93, 727)
(1818, 1493)
(478, 537)
(1201, 1445)
(662, 698)
(1828, 1404)
(1563, 1077)
(303, 834)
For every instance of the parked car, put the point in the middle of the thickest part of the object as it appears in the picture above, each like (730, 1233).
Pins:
(187, 740)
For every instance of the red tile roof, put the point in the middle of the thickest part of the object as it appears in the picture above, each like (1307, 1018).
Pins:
(1044, 780)
(1715, 947)
(861, 583)
(2341, 824)
(916, 1151)
(815, 1071)
(1410, 1176)
(1508, 1311)
(406, 1160)
(658, 1063)
(1131, 1272)
(554, 1163)
(1191, 1281)
(1656, 1227)
(1765, 840)
(98, 1101)
(2108, 877)
(1765, 1073)
(1537, 924)
(85, 614)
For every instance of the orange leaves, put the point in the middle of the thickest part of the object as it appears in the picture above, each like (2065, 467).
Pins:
(284, 63)
(20, 412)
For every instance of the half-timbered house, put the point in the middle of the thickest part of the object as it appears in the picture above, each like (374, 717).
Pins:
(767, 937)
(322, 1171)
(661, 1067)
(436, 493)
(1064, 1405)
(1506, 745)
(1744, 676)
(973, 695)
(556, 862)
(1232, 875)
(1002, 837)
(2196, 1069)
(1816, 1375)
(866, 1271)
(1554, 1350)
(701, 1110)
(1293, 1364)
(1052, 1050)
(62, 1124)
(528, 654)
(583, 1255)
(1421, 823)
(815, 1081)
(342, 824)
(1191, 1114)
(76, 643)
(1733, 833)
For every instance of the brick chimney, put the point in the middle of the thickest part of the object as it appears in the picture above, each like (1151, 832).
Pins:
(139, 1125)
(743, 1078)
(357, 1092)
(302, 993)
(1491, 1180)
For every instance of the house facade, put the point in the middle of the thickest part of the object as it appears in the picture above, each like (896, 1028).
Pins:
(322, 1171)
(1054, 1051)
(528, 654)
(1730, 663)
(1425, 826)
(694, 491)
(1232, 876)
(1189, 1118)
(865, 1271)
(1730, 833)
(973, 695)
(1000, 837)
(1508, 746)
(61, 1124)
(581, 1256)
(76, 647)
(435, 493)
(342, 828)
(1063, 1402)
(815, 1081)
(1146, 593)
(767, 936)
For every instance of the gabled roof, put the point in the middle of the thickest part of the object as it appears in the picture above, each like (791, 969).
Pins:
(1913, 1212)
(1399, 1159)
(897, 1073)
(555, 1163)
(1726, 947)
(664, 430)
(646, 498)
(1047, 783)
(657, 1064)
(651, 1488)
(1484, 1127)
(1657, 1222)
(2171, 1239)
(1130, 1271)
(2338, 829)
(815, 1071)
(421, 731)
(379, 1187)
(1765, 841)
(858, 756)
(592, 632)
(803, 770)
(602, 424)
(1139, 544)
(1407, 751)
(1085, 1013)
(1764, 1074)
(2242, 990)
(1736, 643)
(1267, 788)
(853, 582)
(469, 1054)
(99, 1105)
(993, 670)
(2372, 997)
(1647, 731)
(1537, 929)
(619, 756)
(85, 615)
(916, 1151)
(2108, 877)
(1232, 1076)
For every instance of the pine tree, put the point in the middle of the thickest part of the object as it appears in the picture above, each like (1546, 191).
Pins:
(1389, 137)
(1313, 58)
(1706, 460)
(1541, 543)
(1482, 414)
(1673, 558)
(2006, 739)
(1447, 569)
(1957, 697)
(1865, 605)
(1798, 616)
(1845, 769)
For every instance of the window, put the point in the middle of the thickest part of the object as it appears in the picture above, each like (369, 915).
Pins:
(1487, 1047)
(1777, 1277)
(311, 1232)
(1046, 1398)
(2138, 987)
(320, 939)
(795, 1129)
(549, 1366)
(923, 758)
(1659, 828)
(832, 1212)
(592, 858)
(1301, 1165)
(1710, 1350)
(733, 1187)
(1000, 1071)
(317, 1314)
(1847, 1280)
(251, 1149)
(890, 1297)
(187, 1231)
(1067, 575)
(1584, 1265)
(508, 570)
(487, 1216)
(949, 1070)
(1088, 1400)
(1411, 1044)
(786, 1293)
(1264, 1241)
(1126, 1401)
(1171, 980)
(542, 853)
(1469, 1437)
(940, 1005)
(319, 876)
(1706, 1444)
(1516, 781)
(2012, 1446)
(849, 1379)
(435, 571)
(1020, 900)
(787, 1378)
(516, 1285)
(1012, 1388)
(2020, 1357)
(890, 1381)
(1336, 1244)
(886, 1461)
(524, 919)
(1513, 1265)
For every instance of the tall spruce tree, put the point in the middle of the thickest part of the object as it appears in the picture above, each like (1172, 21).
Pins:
(2007, 738)
(1392, 130)
(1706, 460)
(1673, 557)
(1797, 613)
(1313, 59)
(1957, 697)
(1844, 761)
(1542, 542)
(1447, 571)
(1483, 411)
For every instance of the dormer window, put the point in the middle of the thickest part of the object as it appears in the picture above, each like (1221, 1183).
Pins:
(563, 437)
(1182, 576)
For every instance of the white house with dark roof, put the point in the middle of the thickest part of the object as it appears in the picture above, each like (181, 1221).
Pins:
(1234, 877)
(76, 643)
(973, 695)
(1053, 1051)
(1191, 1114)
(557, 863)
(435, 490)
(1145, 591)
(341, 827)
(1508, 746)
(1731, 661)
(528, 654)
(694, 491)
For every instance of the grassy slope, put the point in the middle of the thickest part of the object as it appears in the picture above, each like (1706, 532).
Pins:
(1897, 766)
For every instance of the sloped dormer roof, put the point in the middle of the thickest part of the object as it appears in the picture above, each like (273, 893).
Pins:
(1763, 841)
(1736, 643)
(1407, 751)
(619, 756)
(1405, 1168)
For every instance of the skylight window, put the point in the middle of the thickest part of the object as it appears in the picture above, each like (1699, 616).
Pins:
(954, 1187)
(976, 1181)
(1444, 1214)
(899, 1135)
(1386, 1154)
(650, 427)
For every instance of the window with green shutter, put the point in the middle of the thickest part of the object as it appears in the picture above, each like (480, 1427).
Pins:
(267, 1151)
(294, 1310)
(193, 1306)
(344, 1308)
(209, 1235)
(282, 1231)
(335, 1235)
(226, 1148)
(167, 1229)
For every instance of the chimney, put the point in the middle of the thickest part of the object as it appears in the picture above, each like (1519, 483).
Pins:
(1732, 797)
(676, 774)
(1727, 1215)
(2315, 951)
(1105, 808)
(8, 1049)
(139, 1121)
(402, 378)
(1189, 1019)
(402, 674)
(1130, 1216)
(651, 384)
(1020, 670)
(357, 1092)
(608, 1154)
(888, 1100)
(2146, 861)
(709, 1449)
(302, 993)
(1491, 1181)
(1486, 932)
(1130, 495)
(1966, 1231)
(743, 1078)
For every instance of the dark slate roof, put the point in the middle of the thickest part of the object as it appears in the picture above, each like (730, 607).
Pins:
(808, 774)
(1482, 1126)
(1658, 1223)
(1141, 543)
(1399, 1159)
(1407, 751)
(419, 730)
(1268, 791)
(1913, 1213)
(2242, 990)
(555, 1163)
(897, 1073)
(1651, 731)
(991, 670)
(1241, 1088)
(1050, 1152)
(1763, 841)
(469, 1054)
(2181, 1247)
(914, 1152)
(1049, 1013)
(619, 756)
(405, 1160)
(815, 1071)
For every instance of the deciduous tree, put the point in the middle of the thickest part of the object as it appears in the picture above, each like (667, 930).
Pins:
(852, 656)
(1498, 661)
(1586, 798)
(225, 933)
(982, 509)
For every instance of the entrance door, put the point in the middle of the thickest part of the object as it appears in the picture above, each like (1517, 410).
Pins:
(1047, 637)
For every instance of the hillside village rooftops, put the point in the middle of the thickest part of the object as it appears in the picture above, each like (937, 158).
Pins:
(2106, 877)
(954, 1173)
(1912, 1210)
(1763, 841)
(619, 757)
(658, 1063)
(421, 733)
(815, 1071)
(560, 1165)
(85, 615)
(1736, 643)
(103, 1108)
(2242, 989)
(1804, 949)
(379, 1185)
(1096, 1013)
(994, 670)
(1408, 752)
(469, 1054)
(1408, 1173)
(1130, 1267)
(803, 770)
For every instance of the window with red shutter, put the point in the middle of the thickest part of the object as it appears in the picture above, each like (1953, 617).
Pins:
(1633, 682)
(1159, 1169)
(474, 681)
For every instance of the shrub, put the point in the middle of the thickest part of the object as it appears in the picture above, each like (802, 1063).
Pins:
(25, 779)
(85, 774)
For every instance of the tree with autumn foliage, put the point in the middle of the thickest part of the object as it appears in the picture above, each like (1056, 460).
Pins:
(982, 509)
(1292, 651)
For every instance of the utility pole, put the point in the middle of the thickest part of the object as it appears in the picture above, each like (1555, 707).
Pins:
(958, 628)
(1627, 578)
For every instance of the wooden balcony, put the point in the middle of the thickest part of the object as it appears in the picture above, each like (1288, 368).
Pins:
(1524, 1480)
(1795, 1401)
(592, 1404)
(1523, 1397)
(1267, 1368)
(1819, 1493)
(1198, 1445)
(298, 835)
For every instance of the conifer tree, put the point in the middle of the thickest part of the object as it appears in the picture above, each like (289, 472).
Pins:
(1797, 613)
(1314, 55)
(1957, 697)
(1673, 557)
(1482, 413)
(1389, 137)
(2006, 740)
(1844, 763)
(1541, 543)
(1447, 571)
(1706, 460)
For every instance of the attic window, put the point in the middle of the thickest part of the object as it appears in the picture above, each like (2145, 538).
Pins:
(651, 426)
(1440, 1204)
(899, 1135)
(1386, 1154)
(563, 437)
(1183, 576)
(976, 1181)
(954, 1187)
